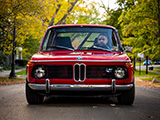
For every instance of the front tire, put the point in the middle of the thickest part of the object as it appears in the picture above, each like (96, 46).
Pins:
(32, 96)
(127, 97)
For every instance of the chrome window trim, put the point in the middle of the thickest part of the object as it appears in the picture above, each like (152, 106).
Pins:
(116, 40)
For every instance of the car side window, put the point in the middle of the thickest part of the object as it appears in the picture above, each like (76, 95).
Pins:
(48, 40)
(115, 45)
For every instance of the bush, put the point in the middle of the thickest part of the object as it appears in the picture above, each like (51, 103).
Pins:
(1, 68)
(21, 62)
(3, 59)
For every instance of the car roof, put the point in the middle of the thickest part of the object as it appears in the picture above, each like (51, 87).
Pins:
(82, 25)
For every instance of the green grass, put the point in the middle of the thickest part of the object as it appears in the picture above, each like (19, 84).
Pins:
(150, 76)
(137, 63)
(143, 74)
(156, 69)
(21, 72)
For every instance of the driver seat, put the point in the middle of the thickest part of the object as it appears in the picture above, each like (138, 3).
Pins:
(63, 41)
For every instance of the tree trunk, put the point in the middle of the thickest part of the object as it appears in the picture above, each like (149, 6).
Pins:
(158, 20)
(12, 73)
(146, 64)
(52, 21)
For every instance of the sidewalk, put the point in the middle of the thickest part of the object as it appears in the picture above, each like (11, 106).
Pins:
(6, 73)
(154, 72)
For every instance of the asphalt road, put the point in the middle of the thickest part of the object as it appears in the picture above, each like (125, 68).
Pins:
(13, 106)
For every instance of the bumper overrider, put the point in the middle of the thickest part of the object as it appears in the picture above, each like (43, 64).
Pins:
(80, 87)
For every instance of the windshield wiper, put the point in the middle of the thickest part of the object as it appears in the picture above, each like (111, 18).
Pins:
(62, 47)
(101, 48)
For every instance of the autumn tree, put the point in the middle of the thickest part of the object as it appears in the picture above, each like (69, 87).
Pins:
(31, 18)
(57, 12)
(13, 13)
(89, 15)
(140, 27)
(34, 16)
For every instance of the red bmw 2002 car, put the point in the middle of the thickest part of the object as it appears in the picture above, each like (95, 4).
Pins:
(80, 60)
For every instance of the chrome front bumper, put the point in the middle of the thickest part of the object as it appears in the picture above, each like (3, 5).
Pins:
(80, 87)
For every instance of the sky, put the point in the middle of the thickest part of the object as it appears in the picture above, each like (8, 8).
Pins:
(111, 3)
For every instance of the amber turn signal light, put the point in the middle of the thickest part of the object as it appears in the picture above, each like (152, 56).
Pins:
(129, 64)
(29, 64)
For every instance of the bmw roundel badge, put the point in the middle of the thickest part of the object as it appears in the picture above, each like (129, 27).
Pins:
(79, 58)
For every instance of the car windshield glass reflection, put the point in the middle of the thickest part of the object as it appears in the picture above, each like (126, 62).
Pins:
(77, 38)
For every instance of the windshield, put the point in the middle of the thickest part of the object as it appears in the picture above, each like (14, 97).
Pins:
(80, 38)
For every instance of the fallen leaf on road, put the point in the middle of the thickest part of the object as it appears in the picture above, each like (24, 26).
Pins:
(113, 105)
(94, 106)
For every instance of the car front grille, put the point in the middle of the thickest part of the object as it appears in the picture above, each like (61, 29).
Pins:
(99, 72)
(78, 72)
(56, 71)
(60, 71)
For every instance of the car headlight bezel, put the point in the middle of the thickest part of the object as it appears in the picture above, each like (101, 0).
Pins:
(39, 72)
(120, 72)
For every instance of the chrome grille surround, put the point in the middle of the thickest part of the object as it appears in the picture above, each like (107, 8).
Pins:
(79, 72)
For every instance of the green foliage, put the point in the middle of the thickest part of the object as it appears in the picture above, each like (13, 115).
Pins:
(136, 21)
(32, 17)
(30, 47)
(3, 59)
(140, 27)
(15, 13)
(87, 14)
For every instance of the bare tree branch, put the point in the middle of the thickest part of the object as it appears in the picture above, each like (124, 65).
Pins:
(68, 12)
(52, 21)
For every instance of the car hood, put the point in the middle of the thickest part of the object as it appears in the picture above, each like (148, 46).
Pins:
(80, 56)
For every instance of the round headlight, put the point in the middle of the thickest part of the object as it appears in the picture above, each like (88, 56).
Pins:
(40, 72)
(119, 72)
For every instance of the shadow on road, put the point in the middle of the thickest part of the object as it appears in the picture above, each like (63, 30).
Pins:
(80, 102)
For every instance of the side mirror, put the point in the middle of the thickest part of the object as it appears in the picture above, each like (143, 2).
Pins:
(128, 49)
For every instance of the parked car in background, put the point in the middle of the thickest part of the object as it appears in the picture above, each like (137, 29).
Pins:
(157, 62)
(149, 62)
(75, 60)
